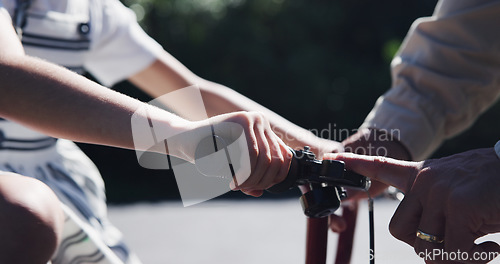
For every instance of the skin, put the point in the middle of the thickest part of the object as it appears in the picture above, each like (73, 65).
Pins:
(166, 74)
(60, 103)
(369, 141)
(32, 216)
(102, 116)
(455, 198)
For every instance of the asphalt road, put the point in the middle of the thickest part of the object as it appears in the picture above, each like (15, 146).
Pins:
(245, 232)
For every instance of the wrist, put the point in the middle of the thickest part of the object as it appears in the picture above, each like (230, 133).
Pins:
(319, 146)
(156, 130)
(322, 146)
(296, 139)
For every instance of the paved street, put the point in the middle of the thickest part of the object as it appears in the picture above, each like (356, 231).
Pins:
(244, 232)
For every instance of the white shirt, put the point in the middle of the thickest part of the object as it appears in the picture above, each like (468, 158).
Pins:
(115, 48)
(446, 73)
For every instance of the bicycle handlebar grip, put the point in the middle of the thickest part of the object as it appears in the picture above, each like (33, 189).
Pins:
(291, 178)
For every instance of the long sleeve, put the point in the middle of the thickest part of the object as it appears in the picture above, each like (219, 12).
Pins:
(446, 73)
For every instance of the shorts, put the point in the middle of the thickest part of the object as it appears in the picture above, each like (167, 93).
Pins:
(88, 236)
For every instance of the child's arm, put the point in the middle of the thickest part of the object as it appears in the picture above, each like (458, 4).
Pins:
(167, 74)
(60, 103)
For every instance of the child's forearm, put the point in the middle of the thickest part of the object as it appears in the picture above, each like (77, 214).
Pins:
(62, 104)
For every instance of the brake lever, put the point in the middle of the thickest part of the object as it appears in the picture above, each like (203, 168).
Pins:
(325, 180)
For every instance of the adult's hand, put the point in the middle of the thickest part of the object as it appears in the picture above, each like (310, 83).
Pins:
(372, 142)
(456, 199)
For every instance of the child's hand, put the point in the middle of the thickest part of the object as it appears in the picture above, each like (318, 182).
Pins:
(269, 157)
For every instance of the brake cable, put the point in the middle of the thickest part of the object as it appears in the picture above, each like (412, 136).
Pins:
(371, 228)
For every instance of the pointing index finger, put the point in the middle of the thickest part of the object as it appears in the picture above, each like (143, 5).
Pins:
(397, 173)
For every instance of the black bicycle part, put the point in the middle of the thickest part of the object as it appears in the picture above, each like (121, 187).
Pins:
(306, 169)
(325, 180)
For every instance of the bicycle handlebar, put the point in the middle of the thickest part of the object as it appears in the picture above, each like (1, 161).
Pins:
(325, 180)
(306, 169)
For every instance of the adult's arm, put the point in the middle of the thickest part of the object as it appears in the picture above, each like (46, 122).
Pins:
(446, 73)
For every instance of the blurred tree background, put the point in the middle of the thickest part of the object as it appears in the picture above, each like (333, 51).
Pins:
(319, 63)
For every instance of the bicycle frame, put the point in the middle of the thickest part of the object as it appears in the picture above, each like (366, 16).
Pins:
(321, 184)
(317, 237)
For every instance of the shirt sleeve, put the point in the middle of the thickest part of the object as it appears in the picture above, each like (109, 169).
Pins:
(120, 47)
(445, 75)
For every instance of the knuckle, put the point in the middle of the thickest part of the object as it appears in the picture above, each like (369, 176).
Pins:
(288, 156)
(266, 159)
(280, 159)
(277, 156)
(259, 117)
(426, 172)
(239, 116)
(265, 156)
(244, 118)
(253, 149)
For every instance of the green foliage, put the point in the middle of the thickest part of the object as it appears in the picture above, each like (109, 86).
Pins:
(390, 48)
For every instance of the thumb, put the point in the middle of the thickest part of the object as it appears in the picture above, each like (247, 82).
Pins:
(397, 173)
